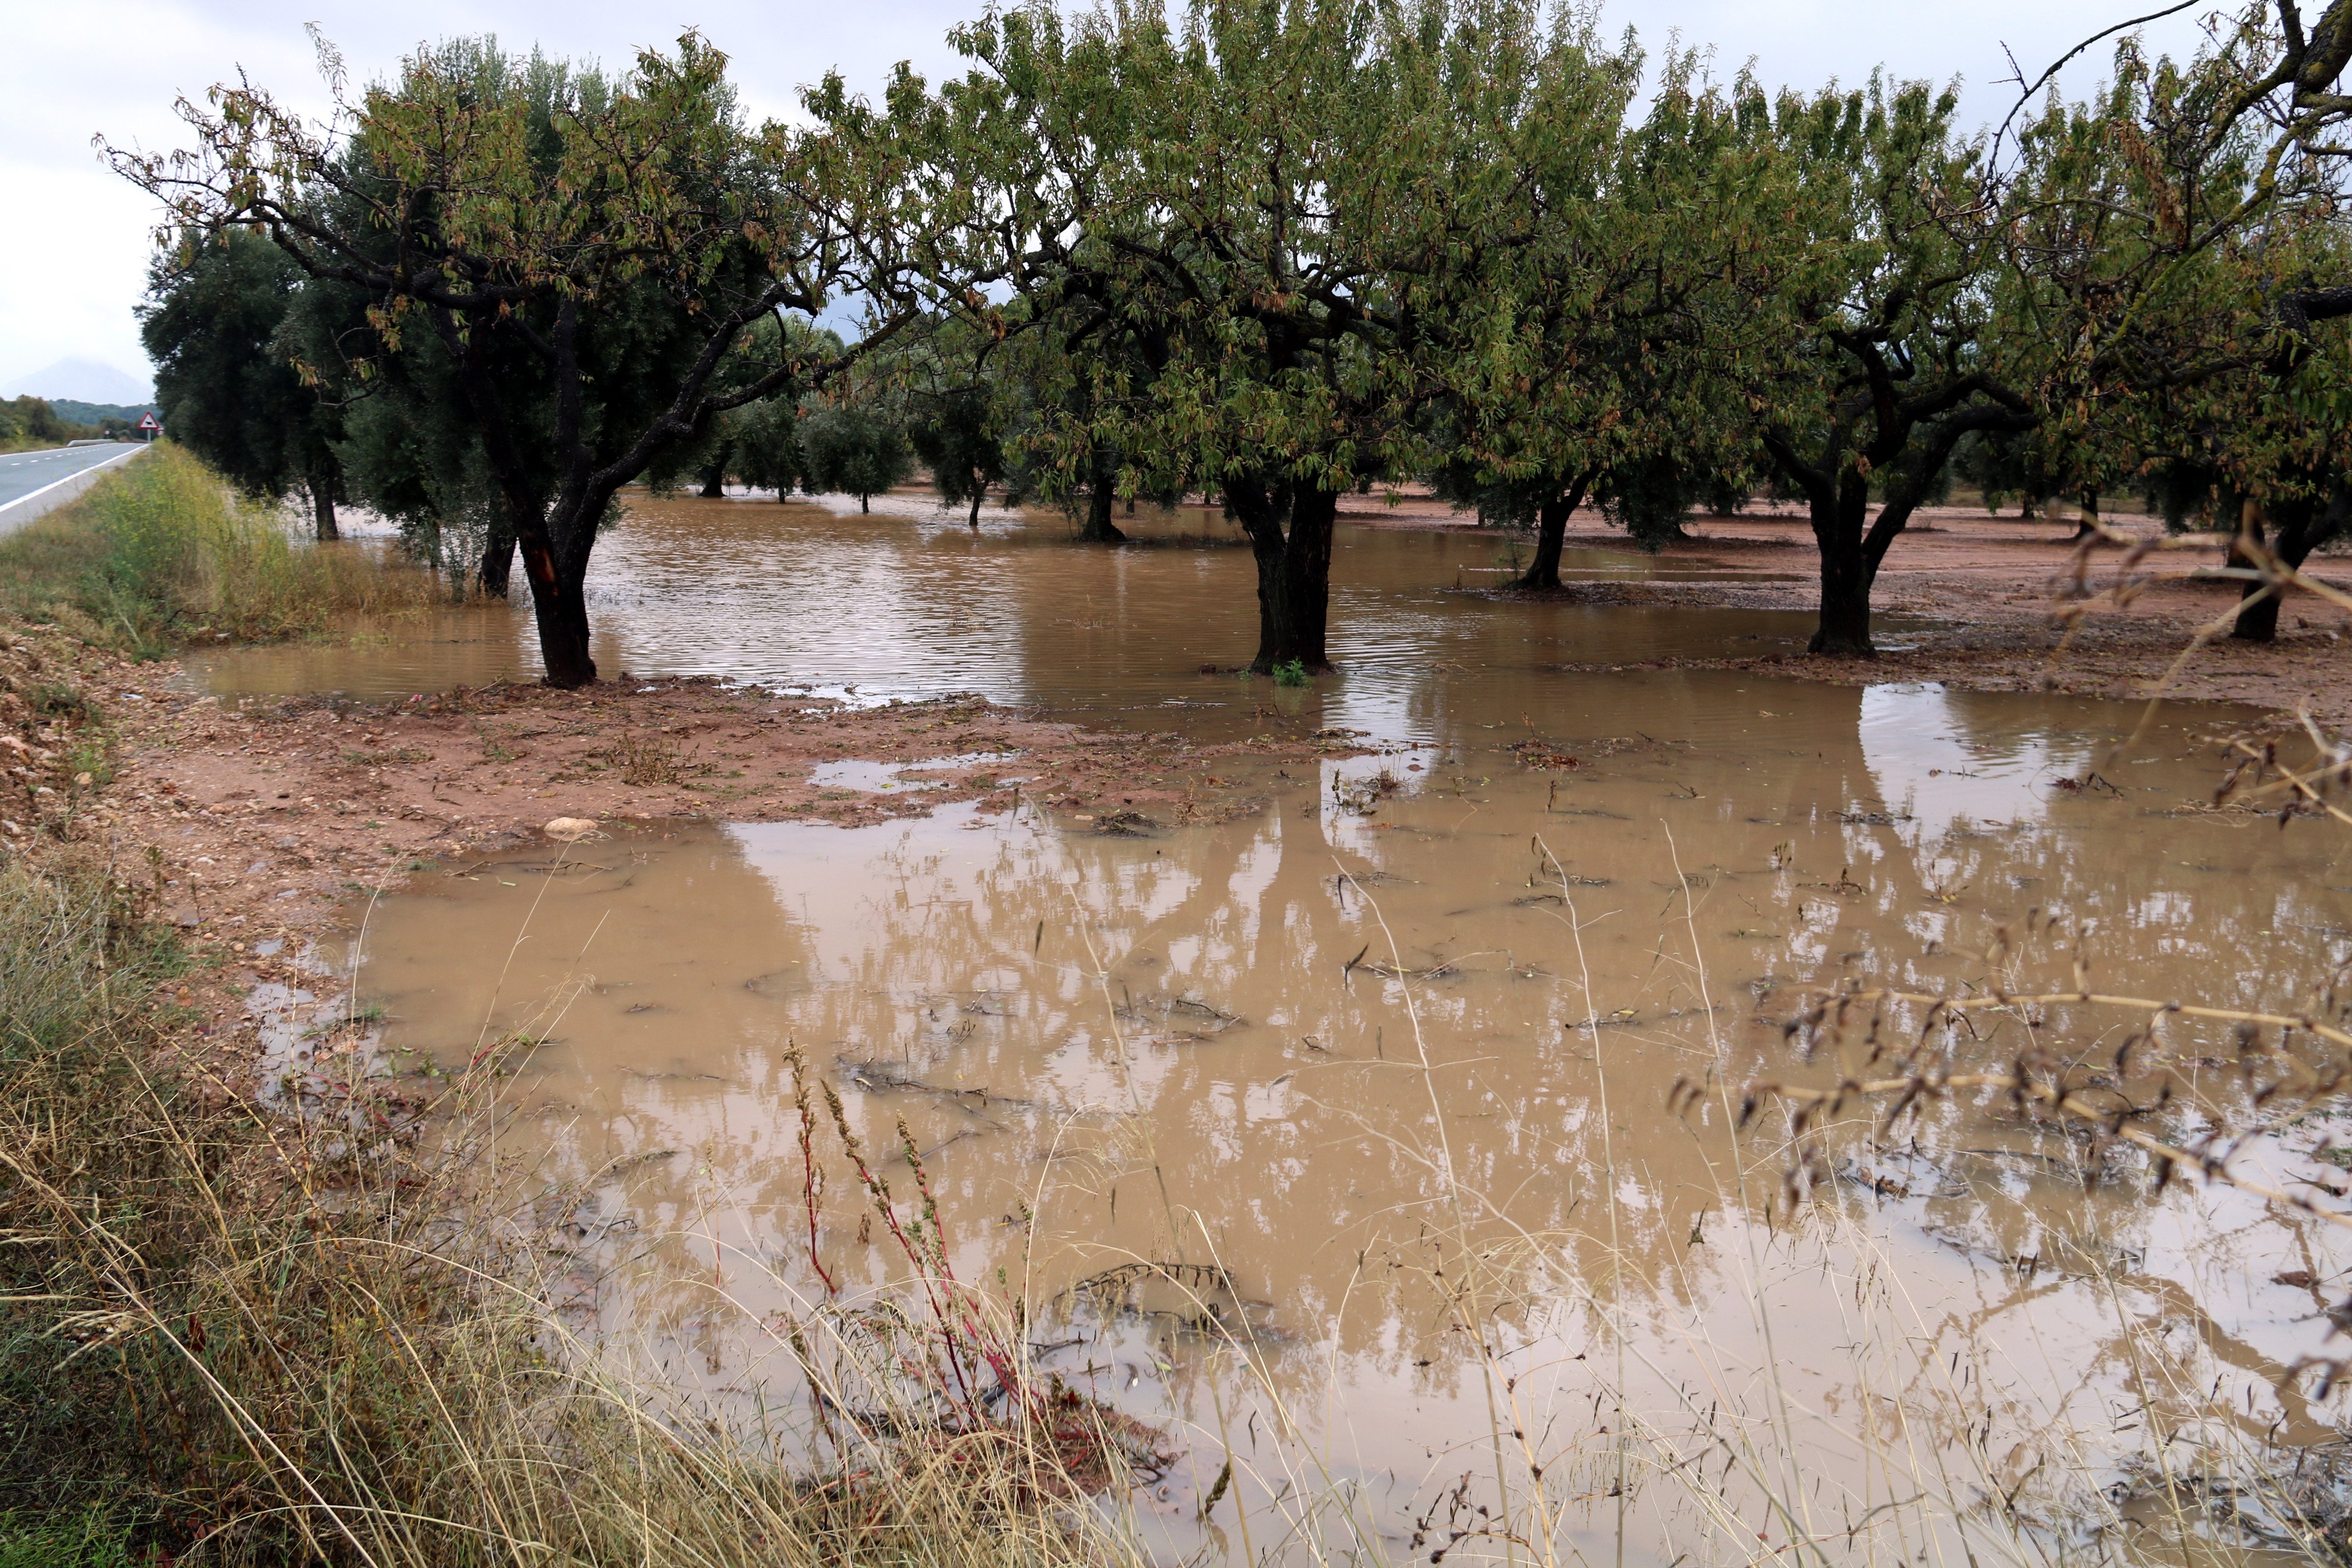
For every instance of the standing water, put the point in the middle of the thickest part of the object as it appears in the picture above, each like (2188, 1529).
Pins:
(1359, 1141)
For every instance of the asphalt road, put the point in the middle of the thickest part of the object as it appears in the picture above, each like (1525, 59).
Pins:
(22, 473)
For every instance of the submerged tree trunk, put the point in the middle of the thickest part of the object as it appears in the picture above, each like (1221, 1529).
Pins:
(497, 568)
(555, 560)
(714, 485)
(322, 507)
(1294, 570)
(1847, 570)
(977, 497)
(864, 509)
(1098, 528)
(1853, 546)
(1551, 533)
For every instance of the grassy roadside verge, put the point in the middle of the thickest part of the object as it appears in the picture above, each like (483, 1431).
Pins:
(161, 550)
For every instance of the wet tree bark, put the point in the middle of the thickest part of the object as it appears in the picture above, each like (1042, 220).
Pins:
(977, 497)
(1551, 534)
(2304, 525)
(1098, 528)
(1294, 570)
(2088, 524)
(495, 574)
(714, 485)
(560, 610)
(322, 507)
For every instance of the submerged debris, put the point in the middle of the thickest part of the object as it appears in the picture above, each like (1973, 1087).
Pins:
(1178, 1017)
(1197, 1296)
(882, 1078)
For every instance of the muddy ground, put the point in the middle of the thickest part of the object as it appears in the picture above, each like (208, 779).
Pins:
(256, 829)
(1996, 603)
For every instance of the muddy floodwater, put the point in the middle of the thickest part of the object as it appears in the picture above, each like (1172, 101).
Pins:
(1223, 1106)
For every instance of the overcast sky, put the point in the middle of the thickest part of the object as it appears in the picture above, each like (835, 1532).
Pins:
(76, 258)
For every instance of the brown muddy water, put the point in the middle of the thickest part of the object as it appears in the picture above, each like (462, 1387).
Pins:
(1223, 1106)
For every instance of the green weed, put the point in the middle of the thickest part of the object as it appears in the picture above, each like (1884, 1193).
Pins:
(161, 552)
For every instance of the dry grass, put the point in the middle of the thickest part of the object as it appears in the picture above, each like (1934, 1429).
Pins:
(645, 760)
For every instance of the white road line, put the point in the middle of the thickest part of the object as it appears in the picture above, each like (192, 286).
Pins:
(7, 507)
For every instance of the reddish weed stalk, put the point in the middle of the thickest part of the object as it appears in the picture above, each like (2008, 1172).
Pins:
(812, 1175)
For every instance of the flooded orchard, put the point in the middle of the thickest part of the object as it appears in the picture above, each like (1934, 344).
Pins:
(1381, 1140)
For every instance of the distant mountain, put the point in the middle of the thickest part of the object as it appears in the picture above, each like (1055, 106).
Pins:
(80, 381)
(75, 410)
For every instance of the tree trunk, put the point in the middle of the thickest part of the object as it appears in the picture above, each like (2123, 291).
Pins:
(1294, 572)
(1099, 529)
(322, 507)
(497, 569)
(560, 610)
(864, 510)
(1847, 572)
(2087, 525)
(2302, 527)
(1551, 533)
(714, 485)
(977, 497)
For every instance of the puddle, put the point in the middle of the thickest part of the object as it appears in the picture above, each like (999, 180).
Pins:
(890, 778)
(1188, 1088)
(864, 610)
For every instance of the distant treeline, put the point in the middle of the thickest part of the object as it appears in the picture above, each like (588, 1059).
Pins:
(106, 416)
(28, 421)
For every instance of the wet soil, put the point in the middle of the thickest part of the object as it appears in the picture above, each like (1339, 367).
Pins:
(256, 824)
(2003, 603)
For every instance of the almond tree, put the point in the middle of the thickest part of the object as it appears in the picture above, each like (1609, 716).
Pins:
(1249, 212)
(638, 219)
(1574, 361)
(1862, 350)
(2177, 247)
